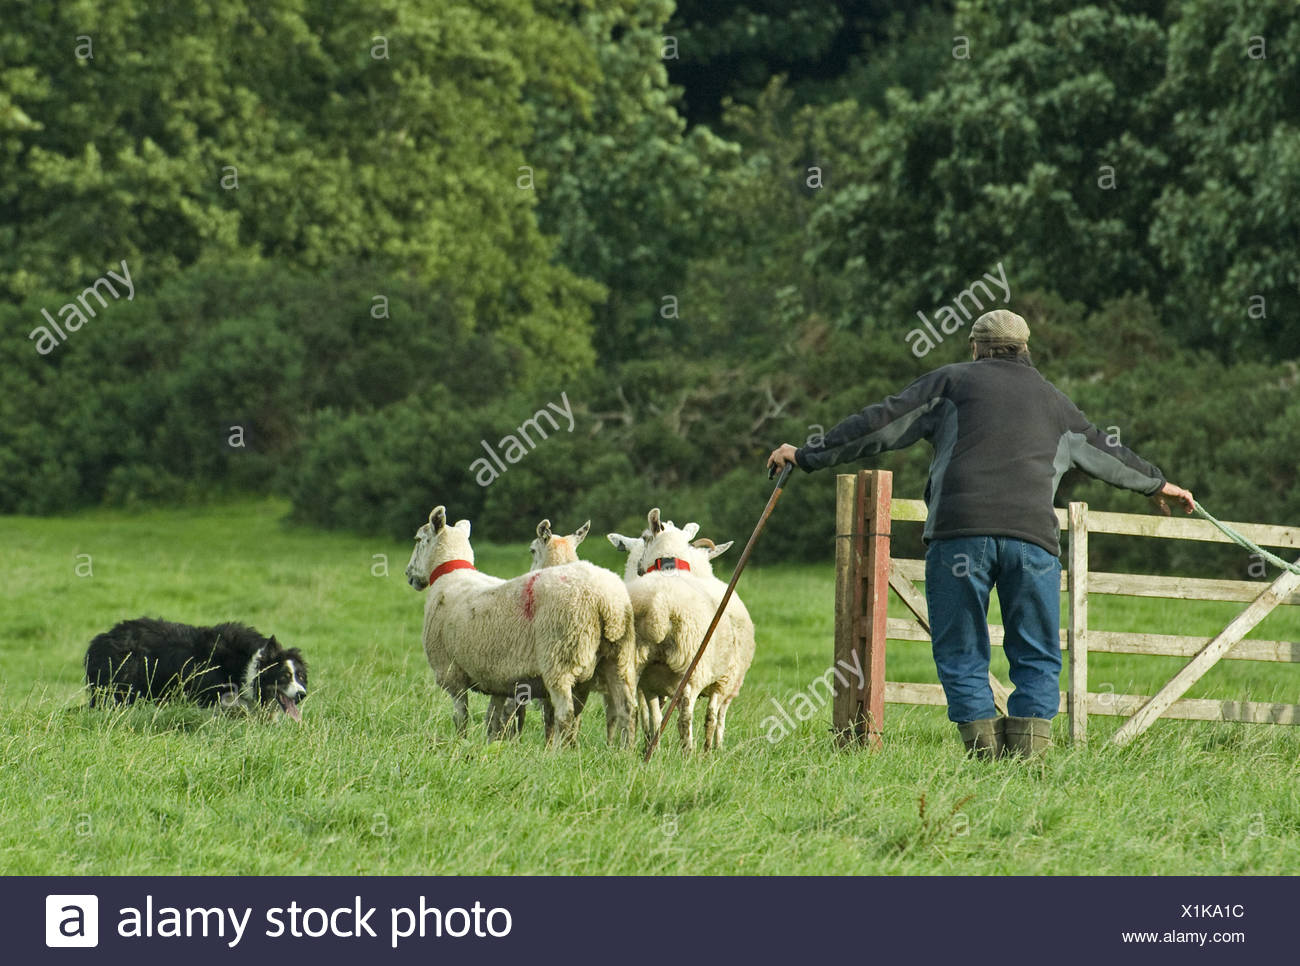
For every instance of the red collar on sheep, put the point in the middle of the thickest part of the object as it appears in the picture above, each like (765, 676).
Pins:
(448, 567)
(669, 563)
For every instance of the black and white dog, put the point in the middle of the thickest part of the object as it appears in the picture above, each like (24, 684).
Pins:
(225, 665)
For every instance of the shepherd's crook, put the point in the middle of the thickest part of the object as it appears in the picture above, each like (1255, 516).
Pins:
(735, 578)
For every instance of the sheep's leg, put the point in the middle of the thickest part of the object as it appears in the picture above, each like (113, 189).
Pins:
(685, 718)
(711, 722)
(456, 683)
(643, 711)
(561, 692)
(496, 716)
(460, 711)
(548, 718)
(515, 724)
(722, 719)
(618, 705)
(505, 717)
(580, 695)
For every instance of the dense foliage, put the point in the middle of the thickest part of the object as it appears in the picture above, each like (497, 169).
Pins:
(370, 242)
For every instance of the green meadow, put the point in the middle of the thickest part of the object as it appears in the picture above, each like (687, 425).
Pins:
(375, 781)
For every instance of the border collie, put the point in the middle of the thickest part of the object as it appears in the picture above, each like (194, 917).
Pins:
(225, 665)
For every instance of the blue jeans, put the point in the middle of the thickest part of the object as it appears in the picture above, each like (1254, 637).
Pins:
(960, 573)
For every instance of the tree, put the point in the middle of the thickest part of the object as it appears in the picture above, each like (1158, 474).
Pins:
(1227, 225)
(622, 184)
(1008, 160)
(311, 134)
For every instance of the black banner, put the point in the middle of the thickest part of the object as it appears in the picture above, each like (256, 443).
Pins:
(644, 920)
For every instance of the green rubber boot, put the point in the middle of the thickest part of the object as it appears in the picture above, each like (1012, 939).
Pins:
(983, 738)
(1026, 737)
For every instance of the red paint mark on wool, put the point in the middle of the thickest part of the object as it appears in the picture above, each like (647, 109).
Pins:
(528, 600)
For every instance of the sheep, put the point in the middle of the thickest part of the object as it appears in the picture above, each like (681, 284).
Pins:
(673, 611)
(648, 707)
(555, 626)
(742, 638)
(506, 715)
(735, 635)
(634, 547)
(649, 711)
(548, 550)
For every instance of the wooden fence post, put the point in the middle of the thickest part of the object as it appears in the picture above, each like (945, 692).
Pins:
(1077, 698)
(847, 694)
(862, 511)
(875, 496)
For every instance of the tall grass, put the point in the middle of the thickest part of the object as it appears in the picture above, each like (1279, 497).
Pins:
(374, 781)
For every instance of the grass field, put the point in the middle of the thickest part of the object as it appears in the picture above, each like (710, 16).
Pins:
(374, 781)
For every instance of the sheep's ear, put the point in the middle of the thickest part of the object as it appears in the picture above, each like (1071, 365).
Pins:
(691, 529)
(438, 518)
(720, 549)
(580, 534)
(655, 524)
(463, 526)
(544, 531)
(619, 541)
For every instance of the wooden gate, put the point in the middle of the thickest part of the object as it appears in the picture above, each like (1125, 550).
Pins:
(865, 573)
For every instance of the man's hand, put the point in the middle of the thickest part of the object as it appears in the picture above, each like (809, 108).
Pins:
(780, 456)
(1178, 493)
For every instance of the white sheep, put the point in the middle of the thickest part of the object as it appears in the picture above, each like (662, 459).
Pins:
(549, 550)
(649, 708)
(742, 642)
(735, 635)
(649, 711)
(506, 714)
(556, 626)
(634, 547)
(673, 610)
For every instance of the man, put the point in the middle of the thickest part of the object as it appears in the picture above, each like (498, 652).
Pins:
(1003, 436)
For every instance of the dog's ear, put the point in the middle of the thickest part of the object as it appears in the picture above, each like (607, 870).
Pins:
(655, 525)
(691, 529)
(438, 518)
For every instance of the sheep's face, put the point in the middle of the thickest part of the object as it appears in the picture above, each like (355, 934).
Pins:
(435, 544)
(634, 547)
(550, 549)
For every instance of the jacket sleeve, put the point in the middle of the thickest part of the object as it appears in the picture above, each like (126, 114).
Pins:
(896, 423)
(1096, 454)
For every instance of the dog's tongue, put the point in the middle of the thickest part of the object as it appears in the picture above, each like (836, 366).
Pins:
(290, 708)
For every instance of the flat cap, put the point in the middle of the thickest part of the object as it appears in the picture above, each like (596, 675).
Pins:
(1000, 326)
